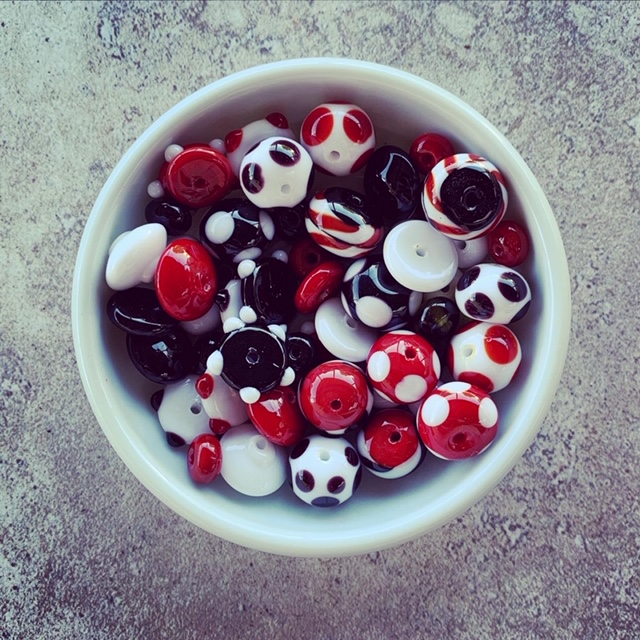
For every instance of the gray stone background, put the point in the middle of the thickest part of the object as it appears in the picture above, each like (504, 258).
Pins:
(87, 552)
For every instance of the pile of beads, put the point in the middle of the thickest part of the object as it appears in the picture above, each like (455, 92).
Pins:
(304, 332)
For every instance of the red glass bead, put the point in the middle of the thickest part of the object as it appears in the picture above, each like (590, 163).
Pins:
(185, 280)
(204, 458)
(305, 256)
(198, 176)
(319, 285)
(391, 437)
(428, 149)
(509, 244)
(335, 396)
(277, 417)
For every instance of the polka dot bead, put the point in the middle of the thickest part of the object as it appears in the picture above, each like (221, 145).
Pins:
(493, 293)
(464, 196)
(325, 472)
(486, 355)
(403, 367)
(277, 172)
(457, 421)
(339, 137)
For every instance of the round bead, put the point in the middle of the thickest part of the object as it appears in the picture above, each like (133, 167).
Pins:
(302, 350)
(222, 403)
(252, 357)
(197, 177)
(134, 255)
(403, 367)
(340, 221)
(305, 256)
(339, 137)
(485, 355)
(174, 217)
(389, 444)
(180, 413)
(162, 359)
(277, 416)
(319, 285)
(372, 296)
(239, 141)
(186, 281)
(457, 421)
(428, 149)
(471, 252)
(464, 196)
(392, 184)
(270, 290)
(341, 335)
(509, 244)
(250, 463)
(437, 322)
(235, 229)
(204, 458)
(493, 293)
(325, 472)
(289, 221)
(419, 257)
(335, 396)
(277, 172)
(138, 311)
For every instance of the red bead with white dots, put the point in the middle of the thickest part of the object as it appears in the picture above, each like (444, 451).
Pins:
(403, 367)
(457, 421)
(339, 137)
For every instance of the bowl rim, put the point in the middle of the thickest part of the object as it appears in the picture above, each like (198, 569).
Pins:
(387, 534)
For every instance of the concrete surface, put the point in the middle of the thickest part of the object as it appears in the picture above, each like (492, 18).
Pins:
(87, 552)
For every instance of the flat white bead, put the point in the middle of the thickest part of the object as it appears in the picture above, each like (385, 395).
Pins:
(419, 257)
(346, 338)
(225, 403)
(181, 410)
(208, 322)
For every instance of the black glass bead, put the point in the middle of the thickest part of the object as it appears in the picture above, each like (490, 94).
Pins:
(437, 322)
(289, 221)
(471, 197)
(162, 359)
(204, 346)
(156, 399)
(137, 311)
(270, 291)
(302, 350)
(392, 184)
(242, 230)
(253, 357)
(174, 217)
(375, 298)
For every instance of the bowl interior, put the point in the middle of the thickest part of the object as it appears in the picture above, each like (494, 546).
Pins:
(383, 513)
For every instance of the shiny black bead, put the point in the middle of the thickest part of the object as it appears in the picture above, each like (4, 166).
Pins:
(253, 357)
(471, 197)
(437, 322)
(270, 291)
(174, 217)
(289, 221)
(204, 346)
(235, 229)
(162, 359)
(302, 351)
(392, 184)
(137, 311)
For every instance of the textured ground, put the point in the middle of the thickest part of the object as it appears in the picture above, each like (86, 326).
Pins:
(87, 552)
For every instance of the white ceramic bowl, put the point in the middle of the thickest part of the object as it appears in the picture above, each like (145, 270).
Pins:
(382, 513)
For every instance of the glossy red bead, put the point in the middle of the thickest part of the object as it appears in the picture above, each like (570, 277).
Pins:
(305, 255)
(319, 285)
(509, 244)
(198, 176)
(391, 437)
(204, 458)
(185, 280)
(277, 416)
(428, 149)
(335, 396)
(403, 367)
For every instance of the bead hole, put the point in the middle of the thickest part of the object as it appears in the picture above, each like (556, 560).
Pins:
(468, 351)
(410, 353)
(200, 183)
(421, 252)
(285, 188)
(324, 455)
(470, 198)
(195, 408)
(395, 437)
(252, 357)
(335, 405)
(261, 444)
(334, 156)
(350, 322)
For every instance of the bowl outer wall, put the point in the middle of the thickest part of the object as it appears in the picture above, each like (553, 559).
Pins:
(381, 515)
